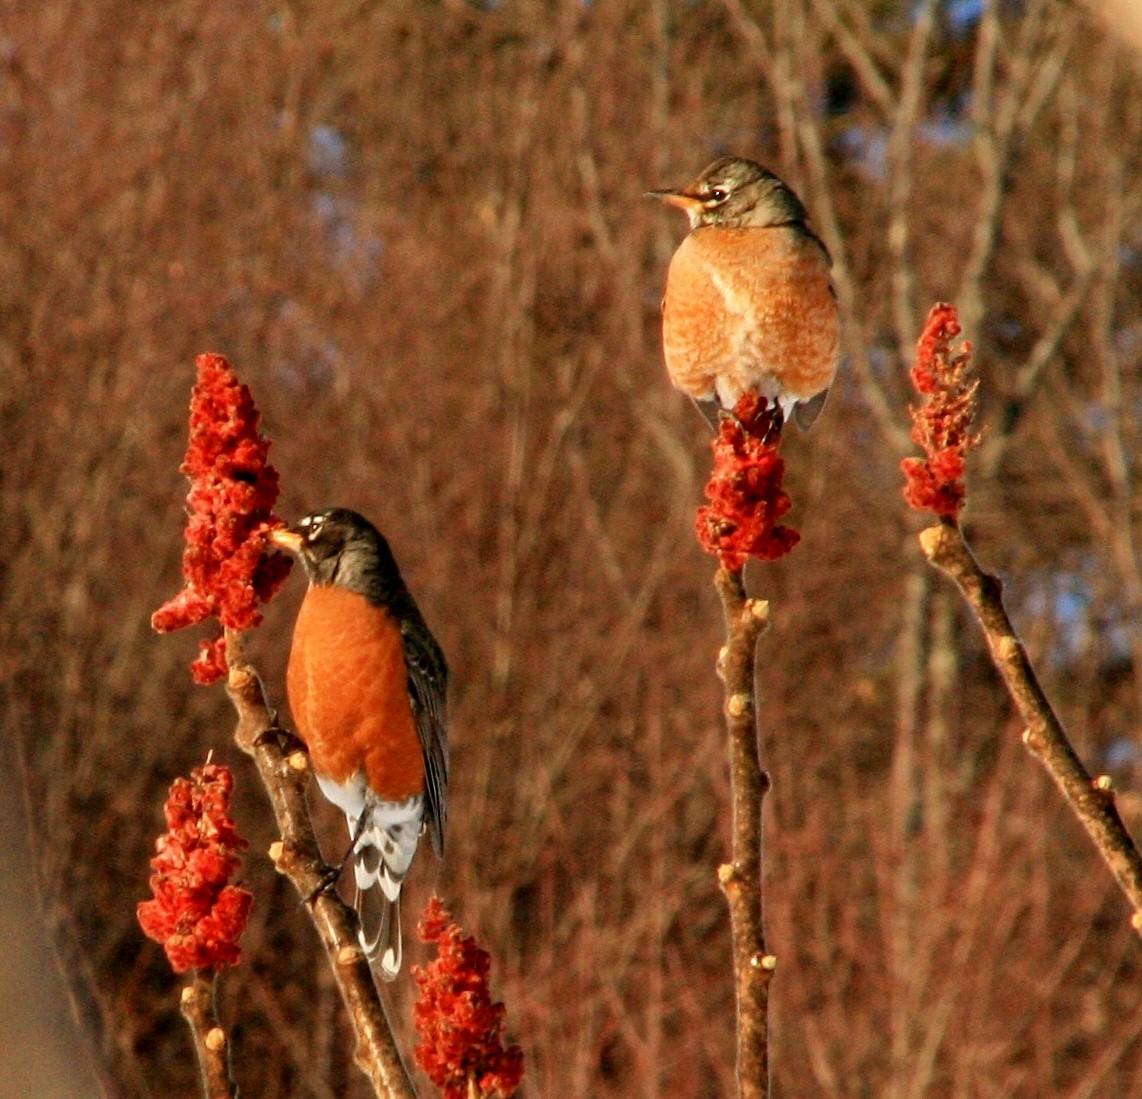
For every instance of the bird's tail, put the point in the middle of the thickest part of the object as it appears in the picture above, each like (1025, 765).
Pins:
(382, 855)
(380, 932)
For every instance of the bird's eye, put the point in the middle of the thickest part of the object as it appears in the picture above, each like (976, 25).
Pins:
(718, 195)
(312, 525)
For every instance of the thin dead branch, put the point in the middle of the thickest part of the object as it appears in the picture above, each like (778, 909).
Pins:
(1092, 800)
(210, 1042)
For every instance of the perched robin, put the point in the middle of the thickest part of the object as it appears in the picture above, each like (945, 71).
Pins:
(749, 303)
(367, 684)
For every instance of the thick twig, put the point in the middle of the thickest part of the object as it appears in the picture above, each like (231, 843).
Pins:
(1091, 800)
(741, 879)
(298, 856)
(210, 1042)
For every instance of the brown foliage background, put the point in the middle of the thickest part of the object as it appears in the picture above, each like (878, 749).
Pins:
(417, 228)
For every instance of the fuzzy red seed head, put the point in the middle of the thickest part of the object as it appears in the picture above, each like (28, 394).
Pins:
(233, 489)
(460, 1026)
(746, 500)
(941, 425)
(196, 914)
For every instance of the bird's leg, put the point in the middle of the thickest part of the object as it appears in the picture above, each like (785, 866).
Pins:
(711, 411)
(359, 830)
(772, 434)
(332, 874)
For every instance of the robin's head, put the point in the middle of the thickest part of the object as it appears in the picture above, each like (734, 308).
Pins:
(340, 547)
(736, 194)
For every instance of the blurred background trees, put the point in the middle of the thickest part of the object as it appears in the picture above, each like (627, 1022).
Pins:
(417, 229)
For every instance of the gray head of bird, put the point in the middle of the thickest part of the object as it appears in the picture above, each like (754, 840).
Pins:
(735, 193)
(340, 547)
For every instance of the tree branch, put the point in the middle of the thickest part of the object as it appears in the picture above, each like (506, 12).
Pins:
(741, 879)
(1091, 800)
(298, 856)
(210, 1044)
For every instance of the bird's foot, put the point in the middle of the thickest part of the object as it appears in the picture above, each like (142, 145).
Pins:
(774, 421)
(330, 876)
(772, 434)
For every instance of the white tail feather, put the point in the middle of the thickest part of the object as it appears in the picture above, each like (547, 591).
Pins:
(380, 933)
(384, 846)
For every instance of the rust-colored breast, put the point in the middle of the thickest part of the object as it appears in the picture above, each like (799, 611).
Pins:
(750, 309)
(348, 691)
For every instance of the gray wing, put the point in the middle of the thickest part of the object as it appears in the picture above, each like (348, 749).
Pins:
(806, 412)
(428, 691)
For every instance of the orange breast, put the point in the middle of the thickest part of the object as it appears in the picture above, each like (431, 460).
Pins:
(348, 691)
(750, 309)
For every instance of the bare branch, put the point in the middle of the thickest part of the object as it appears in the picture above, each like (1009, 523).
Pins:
(1091, 800)
(855, 48)
(210, 1043)
(741, 879)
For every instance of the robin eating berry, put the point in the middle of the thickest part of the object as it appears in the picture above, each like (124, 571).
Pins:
(367, 683)
(749, 304)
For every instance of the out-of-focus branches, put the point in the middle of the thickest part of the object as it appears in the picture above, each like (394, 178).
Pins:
(392, 215)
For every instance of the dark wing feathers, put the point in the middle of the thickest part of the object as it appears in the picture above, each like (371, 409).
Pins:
(428, 690)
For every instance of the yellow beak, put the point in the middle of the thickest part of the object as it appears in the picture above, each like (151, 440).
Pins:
(676, 198)
(286, 540)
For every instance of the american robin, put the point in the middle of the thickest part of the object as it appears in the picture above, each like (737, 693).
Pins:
(749, 303)
(366, 683)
